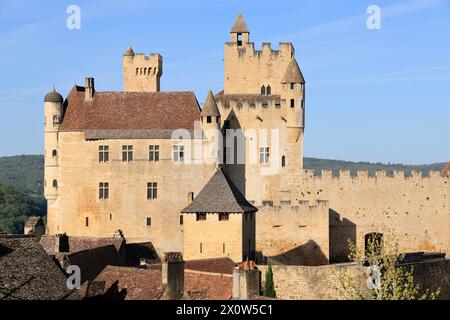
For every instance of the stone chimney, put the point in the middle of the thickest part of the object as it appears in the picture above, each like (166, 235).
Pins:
(61, 243)
(246, 281)
(89, 89)
(173, 275)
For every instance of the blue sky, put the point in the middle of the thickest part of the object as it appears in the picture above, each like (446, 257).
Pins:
(380, 95)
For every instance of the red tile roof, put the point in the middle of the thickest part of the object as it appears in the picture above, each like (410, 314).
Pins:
(146, 284)
(215, 265)
(129, 110)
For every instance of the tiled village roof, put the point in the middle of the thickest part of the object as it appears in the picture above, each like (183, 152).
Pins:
(210, 106)
(293, 73)
(77, 244)
(215, 265)
(28, 273)
(129, 111)
(34, 221)
(220, 195)
(146, 284)
(239, 25)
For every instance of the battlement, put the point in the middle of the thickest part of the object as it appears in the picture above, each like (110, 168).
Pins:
(285, 49)
(379, 174)
(142, 72)
(293, 205)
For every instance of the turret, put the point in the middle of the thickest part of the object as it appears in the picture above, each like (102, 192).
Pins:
(293, 92)
(210, 119)
(240, 33)
(53, 110)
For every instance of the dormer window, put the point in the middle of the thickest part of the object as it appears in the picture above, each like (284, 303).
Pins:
(239, 39)
(292, 85)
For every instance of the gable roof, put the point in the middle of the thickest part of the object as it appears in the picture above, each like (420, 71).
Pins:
(293, 73)
(210, 106)
(28, 273)
(239, 25)
(220, 195)
(129, 110)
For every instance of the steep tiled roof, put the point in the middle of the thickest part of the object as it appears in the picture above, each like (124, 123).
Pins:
(220, 195)
(293, 73)
(28, 273)
(210, 106)
(130, 110)
(239, 25)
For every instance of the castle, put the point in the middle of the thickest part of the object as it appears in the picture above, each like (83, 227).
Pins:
(226, 179)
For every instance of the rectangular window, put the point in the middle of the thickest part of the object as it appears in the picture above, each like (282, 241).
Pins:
(223, 247)
(264, 155)
(292, 85)
(201, 216)
(224, 216)
(153, 153)
(178, 154)
(152, 190)
(181, 220)
(103, 153)
(127, 153)
(201, 247)
(292, 103)
(149, 221)
(208, 119)
(87, 222)
(103, 190)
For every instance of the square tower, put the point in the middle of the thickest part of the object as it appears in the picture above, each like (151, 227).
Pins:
(141, 73)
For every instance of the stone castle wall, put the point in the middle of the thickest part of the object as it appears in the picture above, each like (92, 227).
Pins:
(322, 282)
(293, 234)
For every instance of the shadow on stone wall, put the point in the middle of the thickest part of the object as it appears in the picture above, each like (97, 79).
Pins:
(341, 231)
(308, 254)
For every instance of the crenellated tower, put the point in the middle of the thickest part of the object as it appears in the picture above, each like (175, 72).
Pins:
(142, 73)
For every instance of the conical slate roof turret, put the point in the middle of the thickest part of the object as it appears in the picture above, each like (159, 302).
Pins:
(210, 106)
(293, 73)
(239, 25)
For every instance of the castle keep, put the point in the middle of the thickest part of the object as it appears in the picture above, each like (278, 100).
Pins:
(159, 168)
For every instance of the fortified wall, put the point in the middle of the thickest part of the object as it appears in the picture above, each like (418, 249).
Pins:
(411, 210)
(293, 233)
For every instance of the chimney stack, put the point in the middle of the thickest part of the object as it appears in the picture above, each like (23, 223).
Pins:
(173, 275)
(89, 89)
(246, 281)
(61, 243)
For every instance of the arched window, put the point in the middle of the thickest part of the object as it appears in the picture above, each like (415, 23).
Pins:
(269, 90)
(145, 71)
(54, 153)
(283, 161)
(55, 184)
(149, 71)
(137, 71)
(263, 90)
(55, 120)
(141, 72)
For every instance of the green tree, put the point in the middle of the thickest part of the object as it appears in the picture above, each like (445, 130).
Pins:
(390, 279)
(269, 286)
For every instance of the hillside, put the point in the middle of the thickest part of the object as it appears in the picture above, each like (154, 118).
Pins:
(25, 173)
(16, 207)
